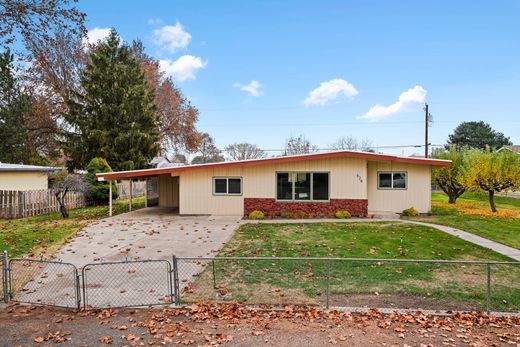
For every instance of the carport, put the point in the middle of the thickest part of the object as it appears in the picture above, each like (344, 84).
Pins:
(162, 187)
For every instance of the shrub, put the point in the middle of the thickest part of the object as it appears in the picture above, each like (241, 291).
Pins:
(410, 212)
(343, 214)
(284, 214)
(294, 215)
(256, 214)
(99, 190)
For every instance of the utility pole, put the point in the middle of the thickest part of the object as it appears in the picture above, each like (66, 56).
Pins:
(426, 124)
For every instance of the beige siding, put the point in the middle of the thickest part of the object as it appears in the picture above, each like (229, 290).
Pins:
(196, 193)
(348, 177)
(417, 194)
(23, 180)
(168, 191)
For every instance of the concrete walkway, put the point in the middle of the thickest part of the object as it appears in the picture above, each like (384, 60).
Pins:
(510, 252)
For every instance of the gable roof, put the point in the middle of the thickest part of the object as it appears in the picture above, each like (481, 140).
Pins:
(21, 167)
(273, 160)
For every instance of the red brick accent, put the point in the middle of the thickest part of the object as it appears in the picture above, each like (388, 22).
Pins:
(357, 207)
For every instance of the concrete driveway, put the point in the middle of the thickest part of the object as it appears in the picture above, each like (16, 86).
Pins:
(151, 233)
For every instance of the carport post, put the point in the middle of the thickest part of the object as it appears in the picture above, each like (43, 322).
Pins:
(131, 193)
(110, 198)
(146, 192)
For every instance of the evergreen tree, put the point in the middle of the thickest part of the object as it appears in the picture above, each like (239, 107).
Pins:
(14, 106)
(477, 135)
(114, 116)
(100, 191)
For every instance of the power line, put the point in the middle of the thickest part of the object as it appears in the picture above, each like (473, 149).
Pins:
(269, 124)
(368, 147)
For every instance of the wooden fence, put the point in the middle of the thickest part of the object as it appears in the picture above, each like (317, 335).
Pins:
(18, 204)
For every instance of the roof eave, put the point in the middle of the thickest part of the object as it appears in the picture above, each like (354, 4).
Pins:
(352, 154)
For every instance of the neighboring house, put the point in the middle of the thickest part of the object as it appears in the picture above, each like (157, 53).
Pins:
(513, 148)
(312, 183)
(24, 177)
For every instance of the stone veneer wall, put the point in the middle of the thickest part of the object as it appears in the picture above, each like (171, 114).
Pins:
(356, 207)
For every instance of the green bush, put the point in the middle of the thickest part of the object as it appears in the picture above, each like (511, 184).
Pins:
(256, 214)
(343, 214)
(410, 212)
(100, 190)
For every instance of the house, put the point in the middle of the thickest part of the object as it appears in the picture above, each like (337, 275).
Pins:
(24, 177)
(513, 148)
(317, 183)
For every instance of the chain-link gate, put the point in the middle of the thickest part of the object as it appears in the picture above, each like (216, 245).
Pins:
(44, 282)
(127, 283)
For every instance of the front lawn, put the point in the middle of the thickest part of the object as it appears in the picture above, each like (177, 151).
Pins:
(373, 283)
(43, 234)
(471, 213)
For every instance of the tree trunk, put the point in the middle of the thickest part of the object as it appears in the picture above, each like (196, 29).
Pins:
(454, 194)
(492, 201)
(61, 200)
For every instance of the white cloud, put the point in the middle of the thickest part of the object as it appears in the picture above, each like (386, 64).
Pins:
(183, 68)
(330, 90)
(254, 88)
(97, 34)
(407, 99)
(172, 37)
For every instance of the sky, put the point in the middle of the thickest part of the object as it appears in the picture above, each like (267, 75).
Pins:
(260, 71)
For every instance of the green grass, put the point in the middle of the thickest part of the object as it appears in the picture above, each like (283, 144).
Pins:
(503, 230)
(43, 234)
(282, 281)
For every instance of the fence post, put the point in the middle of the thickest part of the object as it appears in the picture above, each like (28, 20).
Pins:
(176, 291)
(214, 274)
(5, 277)
(328, 282)
(488, 289)
(78, 290)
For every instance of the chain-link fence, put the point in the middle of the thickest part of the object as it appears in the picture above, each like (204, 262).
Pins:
(127, 283)
(333, 282)
(3, 272)
(44, 282)
(323, 282)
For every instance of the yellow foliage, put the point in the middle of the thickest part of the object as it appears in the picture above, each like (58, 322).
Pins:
(478, 209)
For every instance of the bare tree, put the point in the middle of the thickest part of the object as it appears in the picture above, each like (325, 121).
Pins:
(36, 21)
(350, 143)
(345, 143)
(366, 145)
(66, 183)
(244, 151)
(209, 153)
(299, 145)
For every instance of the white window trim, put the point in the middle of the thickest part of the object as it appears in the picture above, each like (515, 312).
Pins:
(294, 189)
(227, 178)
(392, 180)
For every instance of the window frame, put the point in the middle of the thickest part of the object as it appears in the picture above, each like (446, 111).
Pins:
(392, 180)
(293, 186)
(227, 178)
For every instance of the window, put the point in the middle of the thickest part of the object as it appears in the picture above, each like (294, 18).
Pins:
(227, 185)
(392, 180)
(302, 186)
